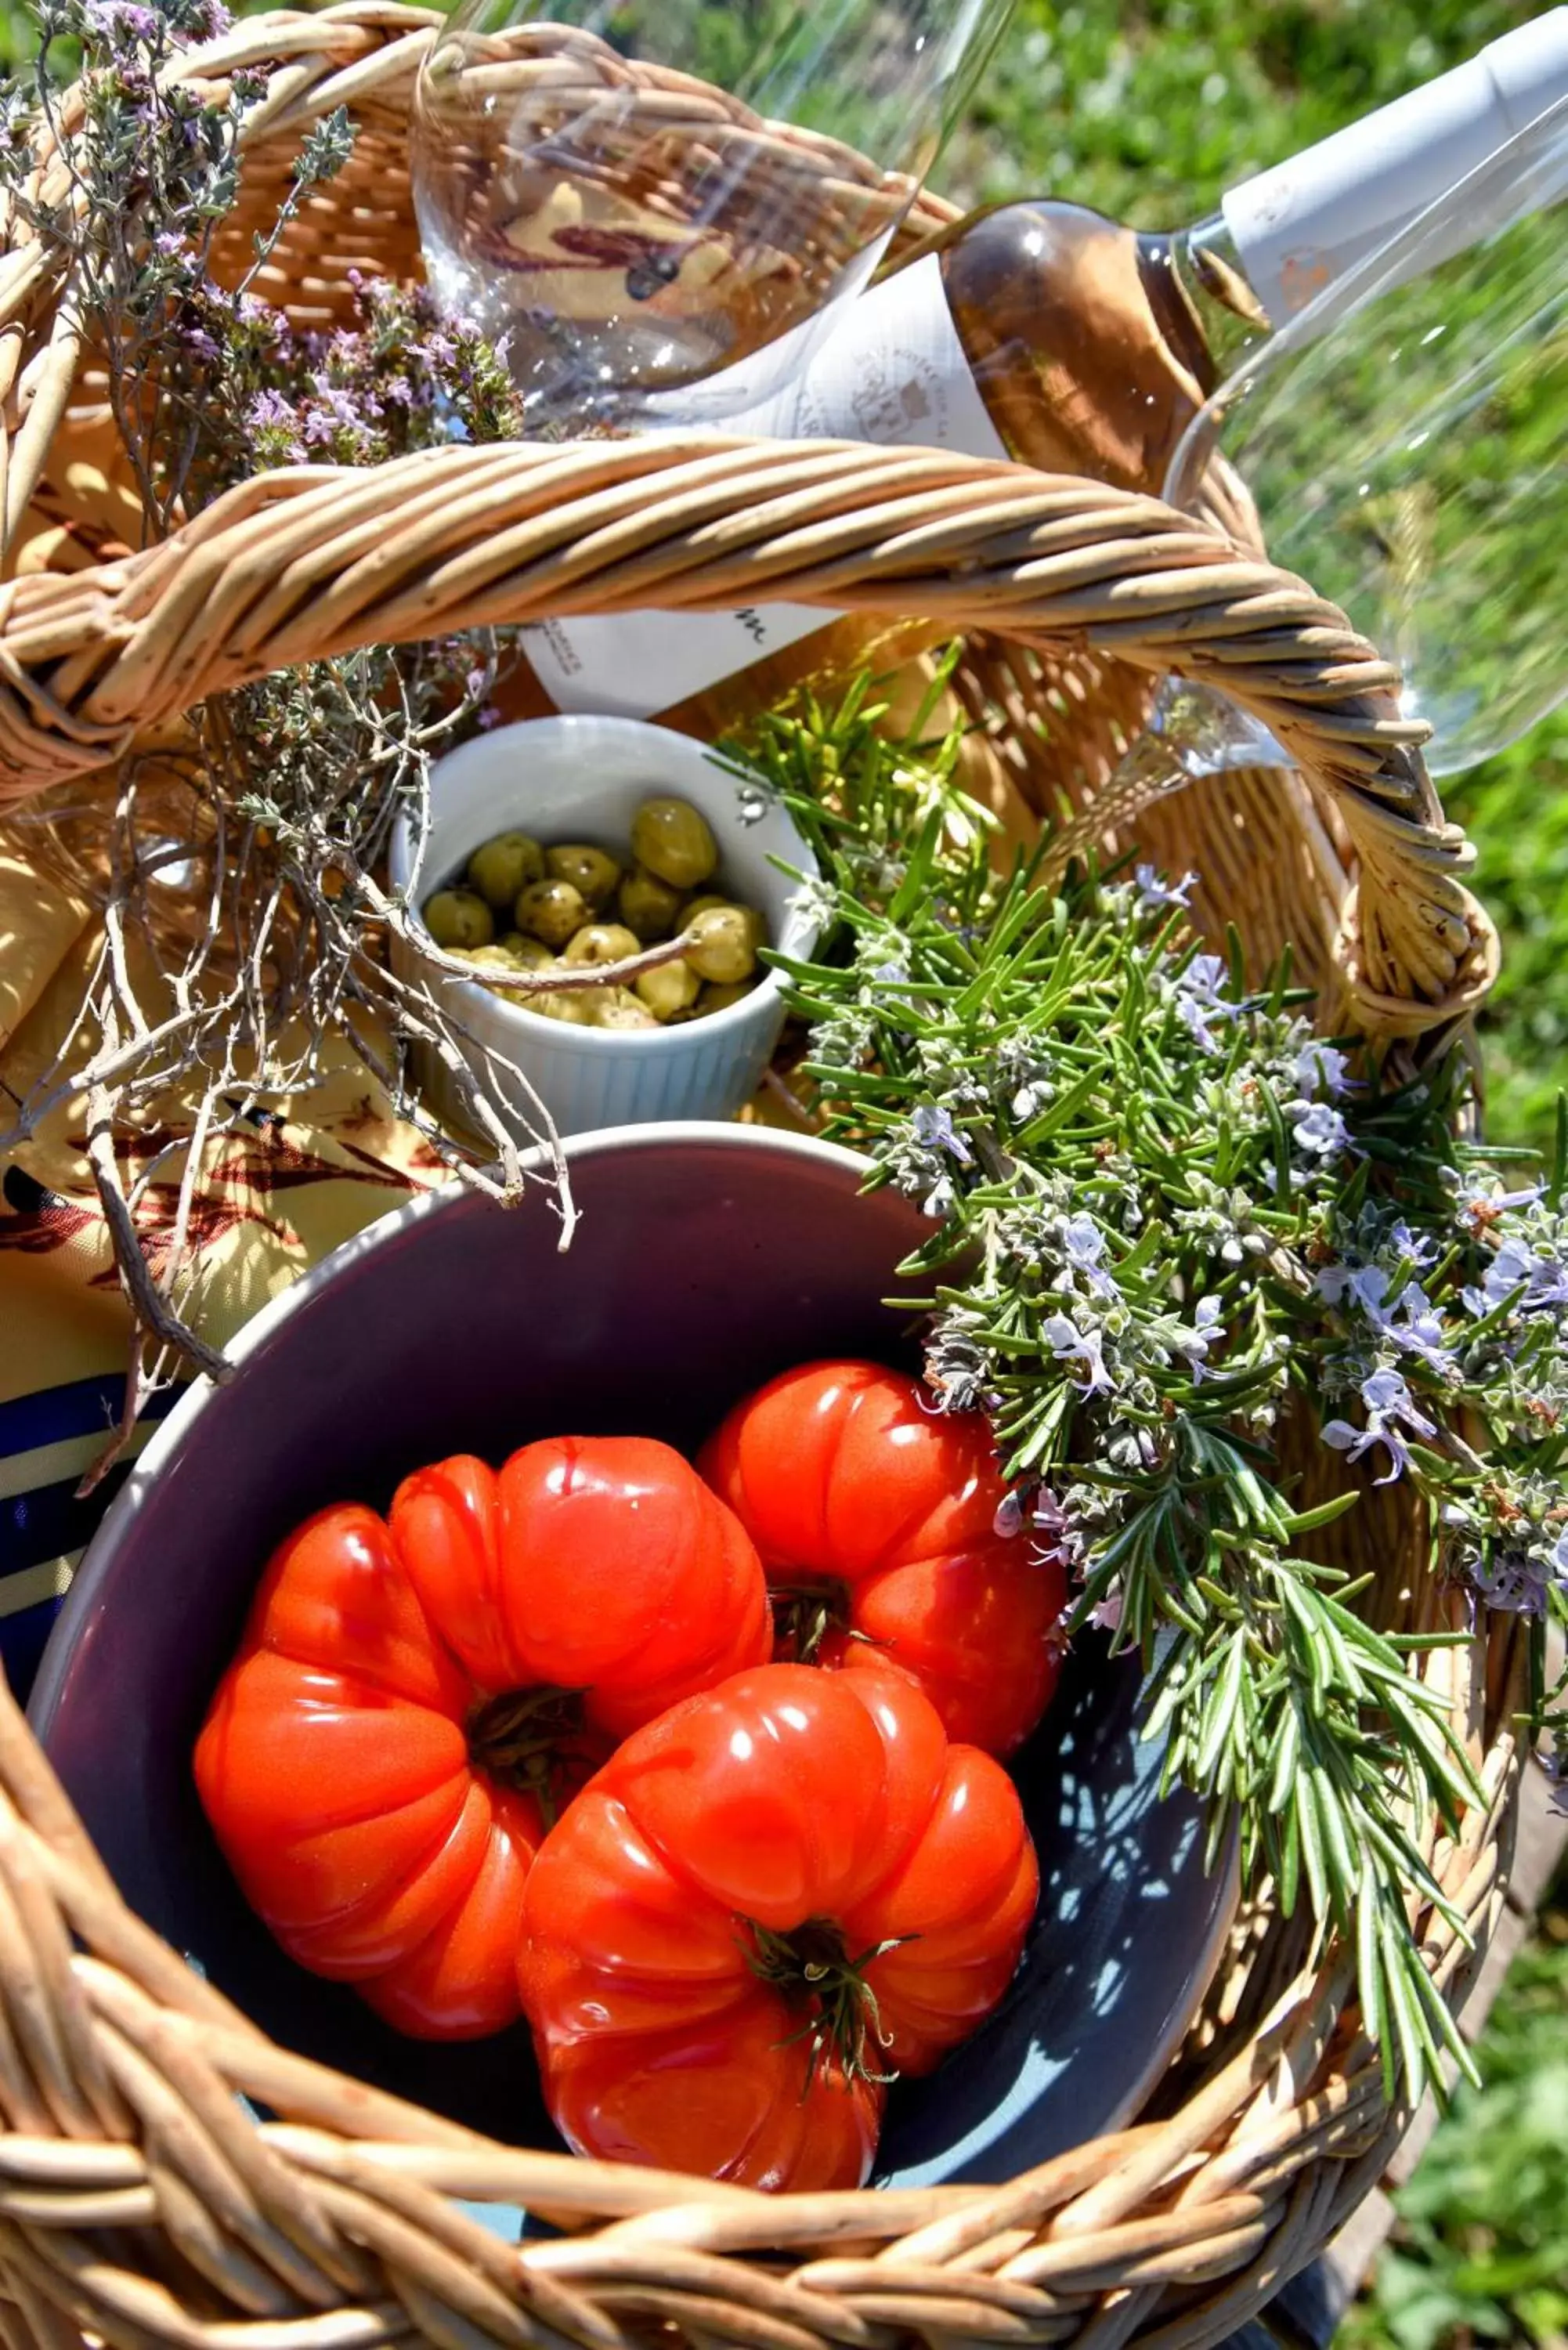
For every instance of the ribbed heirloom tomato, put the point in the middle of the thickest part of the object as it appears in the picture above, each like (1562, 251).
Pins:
(412, 1699)
(875, 1511)
(781, 1890)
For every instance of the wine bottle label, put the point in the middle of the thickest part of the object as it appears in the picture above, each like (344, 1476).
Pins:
(894, 372)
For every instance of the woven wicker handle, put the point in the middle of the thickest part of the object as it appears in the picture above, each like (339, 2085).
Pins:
(312, 562)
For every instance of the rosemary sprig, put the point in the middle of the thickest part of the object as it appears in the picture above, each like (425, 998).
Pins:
(1164, 1214)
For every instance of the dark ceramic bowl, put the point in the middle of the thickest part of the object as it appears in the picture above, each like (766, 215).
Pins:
(707, 1258)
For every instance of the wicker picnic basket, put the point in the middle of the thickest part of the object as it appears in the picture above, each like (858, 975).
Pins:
(141, 2200)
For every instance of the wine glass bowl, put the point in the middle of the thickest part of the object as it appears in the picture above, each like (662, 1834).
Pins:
(632, 233)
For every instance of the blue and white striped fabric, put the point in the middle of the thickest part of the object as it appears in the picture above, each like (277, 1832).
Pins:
(48, 1441)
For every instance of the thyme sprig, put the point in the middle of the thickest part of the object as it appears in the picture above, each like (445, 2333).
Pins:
(1171, 1227)
(235, 865)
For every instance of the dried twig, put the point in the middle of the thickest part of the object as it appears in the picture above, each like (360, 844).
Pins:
(242, 925)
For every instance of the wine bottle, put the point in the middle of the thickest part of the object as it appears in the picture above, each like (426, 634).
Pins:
(1043, 332)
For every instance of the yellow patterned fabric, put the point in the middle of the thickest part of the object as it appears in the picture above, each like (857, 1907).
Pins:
(274, 1196)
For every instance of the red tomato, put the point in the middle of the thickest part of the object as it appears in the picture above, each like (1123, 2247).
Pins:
(406, 1697)
(885, 1511)
(703, 1965)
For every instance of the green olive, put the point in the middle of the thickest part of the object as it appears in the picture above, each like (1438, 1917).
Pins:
(673, 988)
(493, 958)
(528, 954)
(498, 959)
(457, 918)
(720, 945)
(717, 999)
(551, 910)
(602, 942)
(574, 1005)
(504, 865)
(617, 1007)
(708, 905)
(702, 905)
(648, 905)
(592, 871)
(674, 842)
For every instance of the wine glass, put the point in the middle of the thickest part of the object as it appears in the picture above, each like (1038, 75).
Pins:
(654, 204)
(1405, 441)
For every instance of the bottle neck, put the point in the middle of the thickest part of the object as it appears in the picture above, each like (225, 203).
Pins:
(1197, 286)
(1285, 235)
(1303, 225)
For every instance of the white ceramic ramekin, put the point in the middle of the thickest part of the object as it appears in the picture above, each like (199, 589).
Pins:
(583, 778)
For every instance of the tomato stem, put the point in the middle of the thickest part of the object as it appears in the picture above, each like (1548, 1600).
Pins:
(525, 1737)
(804, 1613)
(810, 1965)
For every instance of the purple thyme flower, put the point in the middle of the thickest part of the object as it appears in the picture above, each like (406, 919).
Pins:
(126, 20)
(335, 416)
(437, 351)
(276, 427)
(269, 407)
(251, 311)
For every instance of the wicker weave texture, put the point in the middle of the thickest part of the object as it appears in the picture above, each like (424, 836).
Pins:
(141, 2203)
(313, 561)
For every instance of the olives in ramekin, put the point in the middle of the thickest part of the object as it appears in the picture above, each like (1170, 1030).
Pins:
(501, 867)
(528, 906)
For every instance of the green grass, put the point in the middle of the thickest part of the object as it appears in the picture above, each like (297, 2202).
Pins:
(1150, 112)
(1481, 2254)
